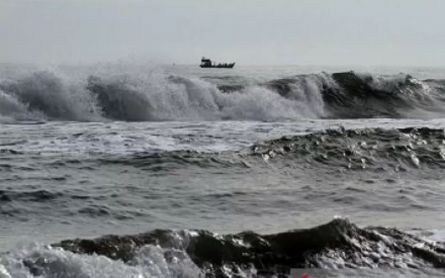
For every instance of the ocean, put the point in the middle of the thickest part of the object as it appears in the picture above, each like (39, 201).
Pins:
(125, 170)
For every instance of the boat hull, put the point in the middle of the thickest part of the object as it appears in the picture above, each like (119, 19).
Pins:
(226, 66)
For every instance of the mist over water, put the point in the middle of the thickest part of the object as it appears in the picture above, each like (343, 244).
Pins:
(175, 171)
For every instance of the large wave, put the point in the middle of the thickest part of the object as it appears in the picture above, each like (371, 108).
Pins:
(49, 96)
(200, 253)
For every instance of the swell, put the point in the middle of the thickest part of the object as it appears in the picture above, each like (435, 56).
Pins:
(50, 96)
(167, 161)
(337, 244)
(360, 149)
(370, 149)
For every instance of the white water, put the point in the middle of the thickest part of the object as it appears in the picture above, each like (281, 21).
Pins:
(50, 262)
(47, 95)
(169, 94)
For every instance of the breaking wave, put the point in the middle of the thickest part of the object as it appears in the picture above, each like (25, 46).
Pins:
(199, 253)
(353, 95)
(43, 95)
(50, 96)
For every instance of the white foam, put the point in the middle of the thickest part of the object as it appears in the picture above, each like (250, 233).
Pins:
(157, 96)
(154, 96)
(48, 262)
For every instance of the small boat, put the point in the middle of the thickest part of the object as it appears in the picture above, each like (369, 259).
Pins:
(207, 63)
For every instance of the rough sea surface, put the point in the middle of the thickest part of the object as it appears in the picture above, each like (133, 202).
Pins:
(174, 171)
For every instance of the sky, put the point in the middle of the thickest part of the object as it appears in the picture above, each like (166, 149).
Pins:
(250, 32)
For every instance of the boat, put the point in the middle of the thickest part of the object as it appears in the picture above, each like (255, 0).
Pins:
(207, 63)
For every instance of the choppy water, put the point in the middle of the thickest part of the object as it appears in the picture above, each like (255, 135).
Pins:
(332, 173)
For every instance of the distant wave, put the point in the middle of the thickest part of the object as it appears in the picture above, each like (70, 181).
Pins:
(200, 253)
(48, 96)
(43, 95)
(352, 95)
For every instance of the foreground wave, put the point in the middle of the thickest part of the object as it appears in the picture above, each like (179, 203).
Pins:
(50, 96)
(199, 253)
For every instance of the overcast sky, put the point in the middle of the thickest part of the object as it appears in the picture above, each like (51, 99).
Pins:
(305, 32)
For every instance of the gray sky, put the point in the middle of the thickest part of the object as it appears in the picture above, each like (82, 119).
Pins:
(317, 32)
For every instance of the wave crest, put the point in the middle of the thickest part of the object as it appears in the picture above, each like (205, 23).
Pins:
(45, 94)
(189, 253)
(171, 97)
